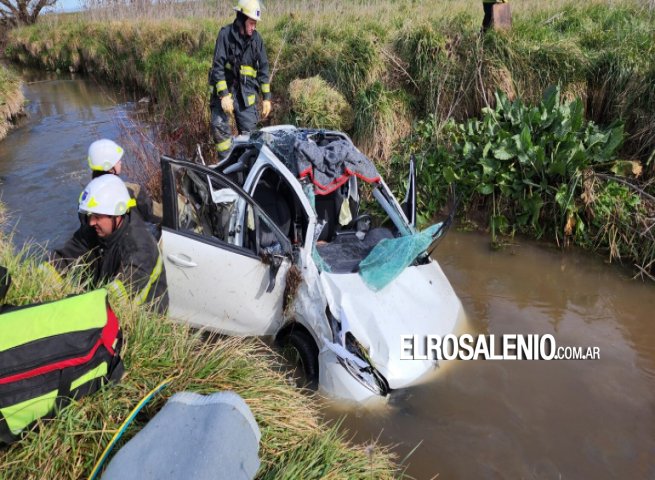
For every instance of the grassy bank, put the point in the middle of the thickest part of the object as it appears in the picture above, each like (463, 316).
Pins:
(294, 444)
(395, 62)
(411, 73)
(11, 99)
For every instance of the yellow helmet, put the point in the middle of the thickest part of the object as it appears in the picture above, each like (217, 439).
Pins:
(250, 8)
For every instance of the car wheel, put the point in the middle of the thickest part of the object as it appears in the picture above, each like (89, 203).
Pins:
(299, 347)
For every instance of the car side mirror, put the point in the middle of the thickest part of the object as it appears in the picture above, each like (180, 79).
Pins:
(409, 203)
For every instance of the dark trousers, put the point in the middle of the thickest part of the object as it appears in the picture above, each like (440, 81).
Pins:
(488, 16)
(221, 130)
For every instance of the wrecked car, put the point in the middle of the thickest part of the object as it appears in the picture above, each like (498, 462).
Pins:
(274, 240)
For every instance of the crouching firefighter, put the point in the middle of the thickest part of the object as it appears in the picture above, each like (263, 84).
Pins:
(116, 244)
(238, 72)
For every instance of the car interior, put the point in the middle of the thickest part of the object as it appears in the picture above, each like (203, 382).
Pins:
(206, 208)
(342, 247)
(274, 195)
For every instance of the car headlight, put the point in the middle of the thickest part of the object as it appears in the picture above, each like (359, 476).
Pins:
(353, 357)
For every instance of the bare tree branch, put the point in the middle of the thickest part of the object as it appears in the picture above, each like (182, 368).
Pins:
(22, 12)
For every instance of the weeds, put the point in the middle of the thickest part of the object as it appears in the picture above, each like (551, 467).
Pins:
(294, 444)
(420, 60)
(11, 99)
(542, 170)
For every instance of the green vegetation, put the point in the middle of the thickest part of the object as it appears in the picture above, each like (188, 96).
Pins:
(394, 62)
(294, 443)
(405, 63)
(313, 102)
(539, 170)
(11, 99)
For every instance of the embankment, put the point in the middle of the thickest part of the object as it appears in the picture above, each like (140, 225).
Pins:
(394, 62)
(11, 99)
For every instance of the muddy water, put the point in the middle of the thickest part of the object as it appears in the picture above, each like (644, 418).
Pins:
(533, 419)
(43, 161)
(480, 419)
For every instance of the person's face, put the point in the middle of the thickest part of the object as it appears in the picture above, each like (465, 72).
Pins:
(250, 26)
(116, 169)
(104, 225)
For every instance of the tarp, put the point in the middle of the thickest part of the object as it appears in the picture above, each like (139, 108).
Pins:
(194, 436)
(392, 255)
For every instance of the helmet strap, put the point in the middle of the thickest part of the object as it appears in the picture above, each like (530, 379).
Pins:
(116, 222)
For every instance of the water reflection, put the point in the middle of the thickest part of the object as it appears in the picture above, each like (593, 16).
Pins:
(43, 161)
(557, 419)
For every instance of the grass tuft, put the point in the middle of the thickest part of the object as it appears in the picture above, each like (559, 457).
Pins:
(11, 99)
(314, 103)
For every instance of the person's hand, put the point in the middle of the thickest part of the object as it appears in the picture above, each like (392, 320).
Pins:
(266, 108)
(227, 104)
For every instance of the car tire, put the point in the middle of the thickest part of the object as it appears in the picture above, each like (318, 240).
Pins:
(307, 351)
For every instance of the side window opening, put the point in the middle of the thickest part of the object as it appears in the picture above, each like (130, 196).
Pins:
(209, 208)
(277, 199)
(205, 206)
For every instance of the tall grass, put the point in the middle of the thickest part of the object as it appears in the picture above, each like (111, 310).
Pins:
(394, 62)
(11, 99)
(294, 444)
(313, 103)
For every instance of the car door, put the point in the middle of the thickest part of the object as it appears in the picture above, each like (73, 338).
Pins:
(225, 259)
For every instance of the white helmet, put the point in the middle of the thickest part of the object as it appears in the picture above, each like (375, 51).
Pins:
(103, 155)
(106, 195)
(250, 8)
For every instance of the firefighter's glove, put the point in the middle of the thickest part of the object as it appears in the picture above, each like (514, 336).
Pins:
(227, 104)
(266, 108)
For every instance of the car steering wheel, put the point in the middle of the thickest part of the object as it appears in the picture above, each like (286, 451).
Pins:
(364, 220)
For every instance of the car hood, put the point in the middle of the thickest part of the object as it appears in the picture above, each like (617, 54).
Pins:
(420, 301)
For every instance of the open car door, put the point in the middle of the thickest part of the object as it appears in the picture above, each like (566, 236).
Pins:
(225, 260)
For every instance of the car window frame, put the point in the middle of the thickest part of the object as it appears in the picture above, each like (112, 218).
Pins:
(170, 219)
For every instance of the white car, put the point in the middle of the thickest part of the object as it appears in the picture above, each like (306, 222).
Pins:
(246, 253)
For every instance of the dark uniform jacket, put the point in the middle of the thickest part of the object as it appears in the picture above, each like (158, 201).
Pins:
(128, 258)
(240, 65)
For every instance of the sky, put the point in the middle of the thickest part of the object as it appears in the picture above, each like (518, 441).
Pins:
(68, 5)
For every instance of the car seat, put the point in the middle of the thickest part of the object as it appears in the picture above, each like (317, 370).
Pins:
(276, 206)
(327, 209)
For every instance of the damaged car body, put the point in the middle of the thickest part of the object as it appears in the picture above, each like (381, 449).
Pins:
(272, 241)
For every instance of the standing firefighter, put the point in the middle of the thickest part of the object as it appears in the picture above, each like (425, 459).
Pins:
(238, 72)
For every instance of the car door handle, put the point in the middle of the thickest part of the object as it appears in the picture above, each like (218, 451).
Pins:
(182, 262)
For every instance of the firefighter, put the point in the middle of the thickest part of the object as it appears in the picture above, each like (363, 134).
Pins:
(104, 157)
(238, 72)
(116, 244)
